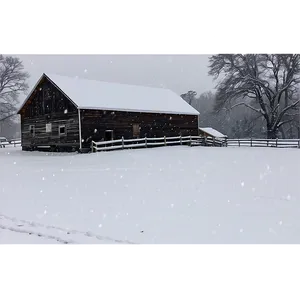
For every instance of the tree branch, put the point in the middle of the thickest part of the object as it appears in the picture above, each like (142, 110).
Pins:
(249, 106)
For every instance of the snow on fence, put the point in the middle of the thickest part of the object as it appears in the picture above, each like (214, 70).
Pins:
(154, 142)
(11, 143)
(278, 143)
(192, 141)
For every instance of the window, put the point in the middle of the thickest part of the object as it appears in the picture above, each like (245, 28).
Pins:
(49, 127)
(136, 130)
(32, 130)
(62, 130)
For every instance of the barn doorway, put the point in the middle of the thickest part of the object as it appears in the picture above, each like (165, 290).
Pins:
(109, 135)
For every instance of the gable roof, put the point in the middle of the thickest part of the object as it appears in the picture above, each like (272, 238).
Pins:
(93, 94)
(212, 132)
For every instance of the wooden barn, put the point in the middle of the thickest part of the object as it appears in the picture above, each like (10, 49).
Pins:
(64, 113)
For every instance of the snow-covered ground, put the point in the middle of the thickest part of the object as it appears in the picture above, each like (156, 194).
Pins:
(163, 195)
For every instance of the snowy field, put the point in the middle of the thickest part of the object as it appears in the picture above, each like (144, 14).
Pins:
(161, 195)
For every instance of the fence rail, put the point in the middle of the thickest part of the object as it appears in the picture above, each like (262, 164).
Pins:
(154, 142)
(180, 140)
(192, 141)
(278, 143)
(11, 143)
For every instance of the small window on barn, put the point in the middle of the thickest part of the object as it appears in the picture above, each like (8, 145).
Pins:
(136, 130)
(62, 130)
(49, 127)
(32, 130)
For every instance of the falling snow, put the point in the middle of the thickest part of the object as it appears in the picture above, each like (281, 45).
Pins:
(160, 195)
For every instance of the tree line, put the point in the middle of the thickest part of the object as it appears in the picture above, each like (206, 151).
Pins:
(257, 95)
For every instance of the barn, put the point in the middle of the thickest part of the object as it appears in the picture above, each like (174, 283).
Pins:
(64, 113)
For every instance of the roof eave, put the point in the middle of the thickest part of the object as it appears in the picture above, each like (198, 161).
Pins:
(136, 110)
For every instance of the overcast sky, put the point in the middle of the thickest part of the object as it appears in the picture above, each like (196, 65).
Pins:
(179, 73)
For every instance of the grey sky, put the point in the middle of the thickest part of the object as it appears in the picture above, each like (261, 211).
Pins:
(179, 73)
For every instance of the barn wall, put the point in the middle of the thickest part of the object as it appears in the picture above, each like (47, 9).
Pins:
(47, 105)
(94, 123)
(204, 134)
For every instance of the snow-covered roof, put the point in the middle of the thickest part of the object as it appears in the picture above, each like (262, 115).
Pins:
(212, 132)
(93, 94)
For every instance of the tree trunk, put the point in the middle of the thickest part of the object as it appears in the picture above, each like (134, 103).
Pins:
(271, 133)
(282, 132)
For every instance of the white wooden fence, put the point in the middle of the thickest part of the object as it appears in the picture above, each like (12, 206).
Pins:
(278, 143)
(192, 141)
(10, 144)
(154, 142)
(181, 140)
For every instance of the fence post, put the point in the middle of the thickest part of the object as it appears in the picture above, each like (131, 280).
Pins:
(267, 143)
(239, 142)
(190, 140)
(251, 142)
(180, 139)
(92, 146)
(122, 142)
(145, 141)
(298, 143)
(165, 141)
(277, 142)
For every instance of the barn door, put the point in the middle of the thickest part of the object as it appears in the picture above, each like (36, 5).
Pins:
(109, 135)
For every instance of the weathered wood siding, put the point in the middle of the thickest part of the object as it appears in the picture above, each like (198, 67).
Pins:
(94, 123)
(47, 105)
(204, 134)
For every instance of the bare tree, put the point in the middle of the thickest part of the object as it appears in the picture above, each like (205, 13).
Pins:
(189, 97)
(13, 81)
(267, 84)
